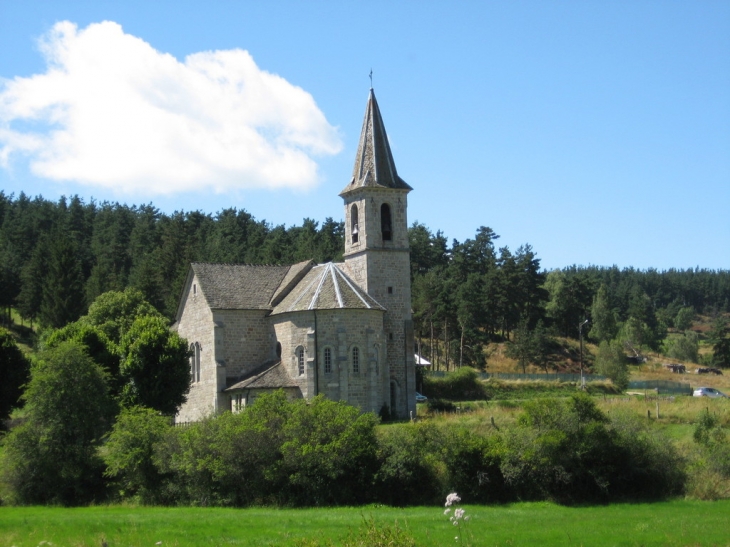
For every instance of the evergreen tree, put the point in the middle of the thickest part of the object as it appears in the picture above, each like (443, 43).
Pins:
(63, 286)
(719, 337)
(522, 348)
(14, 370)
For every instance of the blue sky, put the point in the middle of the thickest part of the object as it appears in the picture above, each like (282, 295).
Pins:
(597, 132)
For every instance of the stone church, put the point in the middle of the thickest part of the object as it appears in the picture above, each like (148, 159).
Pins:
(343, 330)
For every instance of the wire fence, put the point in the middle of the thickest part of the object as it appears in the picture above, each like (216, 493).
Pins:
(551, 377)
(661, 386)
(656, 386)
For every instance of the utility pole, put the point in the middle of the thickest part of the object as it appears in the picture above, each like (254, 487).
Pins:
(580, 335)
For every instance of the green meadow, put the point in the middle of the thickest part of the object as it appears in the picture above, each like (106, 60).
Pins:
(673, 523)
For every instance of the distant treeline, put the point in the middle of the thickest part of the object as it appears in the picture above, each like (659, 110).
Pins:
(57, 257)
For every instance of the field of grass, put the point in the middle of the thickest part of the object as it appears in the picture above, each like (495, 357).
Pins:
(675, 523)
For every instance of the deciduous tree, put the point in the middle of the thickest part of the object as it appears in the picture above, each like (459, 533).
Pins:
(155, 370)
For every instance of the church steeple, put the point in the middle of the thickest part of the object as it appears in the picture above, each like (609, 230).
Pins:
(377, 254)
(374, 165)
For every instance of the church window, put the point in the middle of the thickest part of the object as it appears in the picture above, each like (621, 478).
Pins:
(197, 362)
(390, 290)
(327, 360)
(386, 226)
(238, 402)
(278, 350)
(356, 360)
(192, 363)
(195, 289)
(354, 229)
(300, 360)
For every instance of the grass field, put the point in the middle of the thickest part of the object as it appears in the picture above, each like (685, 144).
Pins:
(675, 523)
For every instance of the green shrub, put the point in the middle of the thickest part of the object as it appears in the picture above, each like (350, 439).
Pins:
(128, 454)
(411, 469)
(460, 385)
(473, 465)
(568, 451)
(316, 452)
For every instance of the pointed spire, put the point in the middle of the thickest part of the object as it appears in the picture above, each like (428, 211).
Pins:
(374, 165)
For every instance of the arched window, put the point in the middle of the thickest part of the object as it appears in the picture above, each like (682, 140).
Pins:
(278, 350)
(386, 225)
(192, 363)
(197, 361)
(356, 360)
(354, 231)
(327, 360)
(300, 360)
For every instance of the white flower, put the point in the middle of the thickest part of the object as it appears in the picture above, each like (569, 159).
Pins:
(446, 511)
(458, 513)
(451, 499)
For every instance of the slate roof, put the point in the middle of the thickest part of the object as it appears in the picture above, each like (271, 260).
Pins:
(270, 375)
(374, 165)
(245, 286)
(326, 287)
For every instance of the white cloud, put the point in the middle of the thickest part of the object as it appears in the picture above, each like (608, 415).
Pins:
(116, 113)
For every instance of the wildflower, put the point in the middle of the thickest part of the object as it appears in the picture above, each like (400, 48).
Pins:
(446, 511)
(451, 499)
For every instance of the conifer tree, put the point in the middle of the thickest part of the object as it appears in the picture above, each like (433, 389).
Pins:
(63, 286)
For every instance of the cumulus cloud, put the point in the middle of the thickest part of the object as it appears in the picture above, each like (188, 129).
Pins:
(112, 111)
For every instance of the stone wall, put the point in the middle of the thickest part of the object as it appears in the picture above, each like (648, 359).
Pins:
(196, 326)
(246, 340)
(383, 269)
(340, 330)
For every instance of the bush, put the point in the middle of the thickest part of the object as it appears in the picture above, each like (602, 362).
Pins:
(128, 454)
(411, 469)
(460, 385)
(568, 451)
(473, 465)
(317, 452)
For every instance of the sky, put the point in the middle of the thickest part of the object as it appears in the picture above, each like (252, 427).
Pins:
(596, 132)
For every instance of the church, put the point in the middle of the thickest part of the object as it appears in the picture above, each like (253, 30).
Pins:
(343, 330)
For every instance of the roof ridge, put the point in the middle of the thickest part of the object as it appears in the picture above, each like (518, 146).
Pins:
(242, 264)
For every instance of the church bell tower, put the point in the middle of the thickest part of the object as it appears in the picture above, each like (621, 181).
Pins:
(377, 253)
